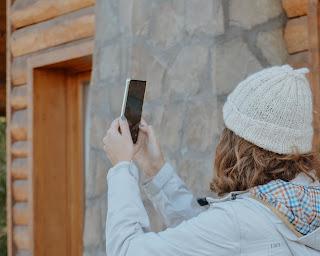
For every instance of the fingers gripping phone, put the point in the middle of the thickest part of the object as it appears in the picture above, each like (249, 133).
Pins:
(132, 105)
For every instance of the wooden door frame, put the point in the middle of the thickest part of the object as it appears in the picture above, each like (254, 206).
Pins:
(79, 50)
(76, 182)
(8, 134)
(314, 65)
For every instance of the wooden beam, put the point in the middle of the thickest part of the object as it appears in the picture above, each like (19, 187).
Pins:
(21, 214)
(26, 14)
(55, 32)
(314, 55)
(295, 8)
(19, 153)
(19, 133)
(70, 51)
(19, 71)
(296, 34)
(19, 102)
(10, 241)
(19, 173)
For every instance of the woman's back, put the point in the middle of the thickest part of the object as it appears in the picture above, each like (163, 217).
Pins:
(240, 225)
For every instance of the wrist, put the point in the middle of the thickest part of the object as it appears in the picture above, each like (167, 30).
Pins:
(155, 168)
(122, 160)
(125, 157)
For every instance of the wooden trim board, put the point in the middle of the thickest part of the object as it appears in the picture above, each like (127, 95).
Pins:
(8, 138)
(314, 60)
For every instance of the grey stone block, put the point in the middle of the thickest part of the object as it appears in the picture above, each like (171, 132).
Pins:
(249, 13)
(167, 25)
(141, 17)
(273, 47)
(200, 125)
(186, 73)
(197, 173)
(172, 125)
(92, 227)
(231, 63)
(205, 16)
(109, 67)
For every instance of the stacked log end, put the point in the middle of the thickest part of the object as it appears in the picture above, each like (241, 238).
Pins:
(296, 32)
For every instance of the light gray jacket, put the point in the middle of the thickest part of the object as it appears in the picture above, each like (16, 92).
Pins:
(230, 227)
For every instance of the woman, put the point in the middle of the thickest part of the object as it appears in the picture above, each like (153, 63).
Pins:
(265, 169)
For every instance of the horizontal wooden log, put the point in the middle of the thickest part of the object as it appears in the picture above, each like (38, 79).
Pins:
(19, 173)
(19, 102)
(19, 169)
(296, 34)
(19, 153)
(19, 133)
(61, 30)
(21, 214)
(20, 190)
(19, 71)
(299, 60)
(19, 64)
(22, 237)
(19, 98)
(19, 149)
(39, 10)
(295, 8)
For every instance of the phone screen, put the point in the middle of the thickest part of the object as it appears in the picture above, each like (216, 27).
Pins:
(133, 110)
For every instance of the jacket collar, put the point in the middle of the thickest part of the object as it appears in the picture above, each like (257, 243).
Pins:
(305, 180)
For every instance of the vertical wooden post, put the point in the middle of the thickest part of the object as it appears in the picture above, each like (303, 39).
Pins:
(314, 60)
(8, 138)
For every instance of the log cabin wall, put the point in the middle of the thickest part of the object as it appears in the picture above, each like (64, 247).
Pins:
(35, 28)
(303, 42)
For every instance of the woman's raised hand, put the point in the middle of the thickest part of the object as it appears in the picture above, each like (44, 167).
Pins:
(118, 145)
(148, 154)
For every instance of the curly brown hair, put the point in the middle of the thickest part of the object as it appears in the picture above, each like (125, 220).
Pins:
(240, 165)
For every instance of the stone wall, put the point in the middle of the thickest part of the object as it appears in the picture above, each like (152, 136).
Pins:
(192, 53)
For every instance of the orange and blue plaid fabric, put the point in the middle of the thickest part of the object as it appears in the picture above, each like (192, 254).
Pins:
(299, 204)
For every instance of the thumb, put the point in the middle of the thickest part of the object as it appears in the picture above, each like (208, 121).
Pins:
(140, 142)
(124, 126)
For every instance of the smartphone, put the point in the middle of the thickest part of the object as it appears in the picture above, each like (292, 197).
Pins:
(132, 105)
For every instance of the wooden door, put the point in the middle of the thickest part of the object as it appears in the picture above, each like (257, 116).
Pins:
(58, 196)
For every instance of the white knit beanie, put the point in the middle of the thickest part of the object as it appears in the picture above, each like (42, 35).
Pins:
(273, 110)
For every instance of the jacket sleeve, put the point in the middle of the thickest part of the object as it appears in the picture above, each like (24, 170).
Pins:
(171, 197)
(128, 230)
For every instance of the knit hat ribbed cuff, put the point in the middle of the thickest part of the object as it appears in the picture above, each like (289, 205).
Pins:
(281, 140)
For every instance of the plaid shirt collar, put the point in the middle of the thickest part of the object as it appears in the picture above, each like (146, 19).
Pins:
(297, 201)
